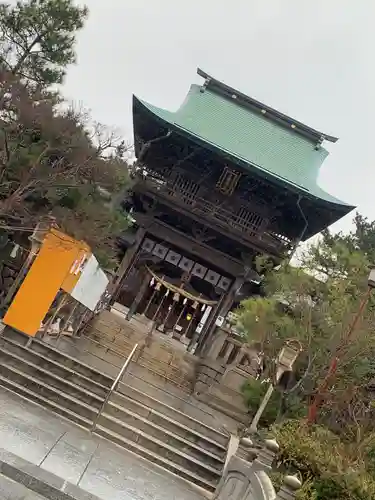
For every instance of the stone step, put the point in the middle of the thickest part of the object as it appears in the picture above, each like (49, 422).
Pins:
(188, 405)
(161, 419)
(197, 444)
(117, 338)
(72, 363)
(204, 431)
(10, 489)
(160, 447)
(27, 385)
(60, 380)
(44, 402)
(162, 432)
(38, 374)
(143, 380)
(54, 354)
(55, 367)
(40, 388)
(107, 351)
(157, 459)
(22, 480)
(224, 407)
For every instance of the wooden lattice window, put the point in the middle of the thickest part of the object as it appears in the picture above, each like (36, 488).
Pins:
(186, 188)
(228, 181)
(249, 221)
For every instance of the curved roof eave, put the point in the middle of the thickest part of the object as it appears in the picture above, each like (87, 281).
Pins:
(166, 118)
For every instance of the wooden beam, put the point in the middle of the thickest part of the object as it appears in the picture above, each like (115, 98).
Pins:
(178, 206)
(174, 237)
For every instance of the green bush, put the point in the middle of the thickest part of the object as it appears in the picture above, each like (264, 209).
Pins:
(254, 391)
(324, 462)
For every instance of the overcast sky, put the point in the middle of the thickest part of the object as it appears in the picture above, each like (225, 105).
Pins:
(311, 59)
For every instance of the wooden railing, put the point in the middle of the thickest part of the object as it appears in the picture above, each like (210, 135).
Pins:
(250, 225)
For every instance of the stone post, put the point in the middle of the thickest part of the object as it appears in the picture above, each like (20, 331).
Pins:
(229, 350)
(217, 344)
(289, 489)
(266, 455)
(246, 478)
(246, 449)
(235, 481)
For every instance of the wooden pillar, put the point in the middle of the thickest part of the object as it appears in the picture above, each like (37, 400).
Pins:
(209, 327)
(127, 261)
(229, 299)
(139, 296)
(222, 309)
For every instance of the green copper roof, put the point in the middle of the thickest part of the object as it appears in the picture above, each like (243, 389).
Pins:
(251, 136)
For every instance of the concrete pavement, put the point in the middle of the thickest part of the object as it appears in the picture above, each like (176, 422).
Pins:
(93, 464)
(10, 490)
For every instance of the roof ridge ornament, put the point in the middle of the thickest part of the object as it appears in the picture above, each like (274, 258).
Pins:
(319, 143)
(205, 84)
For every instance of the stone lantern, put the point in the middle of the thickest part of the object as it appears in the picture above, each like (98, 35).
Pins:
(284, 362)
(287, 357)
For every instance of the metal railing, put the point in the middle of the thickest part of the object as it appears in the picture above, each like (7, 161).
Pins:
(113, 387)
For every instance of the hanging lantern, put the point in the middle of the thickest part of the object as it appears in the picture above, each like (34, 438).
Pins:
(167, 292)
(158, 286)
(203, 307)
(152, 282)
(188, 317)
(176, 297)
(195, 304)
(185, 301)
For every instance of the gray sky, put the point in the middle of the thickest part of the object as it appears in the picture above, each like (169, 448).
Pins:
(310, 59)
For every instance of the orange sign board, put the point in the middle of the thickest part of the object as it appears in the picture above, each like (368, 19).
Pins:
(53, 267)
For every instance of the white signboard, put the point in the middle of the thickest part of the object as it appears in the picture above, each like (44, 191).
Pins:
(91, 285)
(204, 319)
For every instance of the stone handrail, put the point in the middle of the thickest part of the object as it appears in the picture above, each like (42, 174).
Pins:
(246, 476)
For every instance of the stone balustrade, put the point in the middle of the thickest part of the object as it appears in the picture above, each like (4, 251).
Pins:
(228, 348)
(246, 476)
(223, 368)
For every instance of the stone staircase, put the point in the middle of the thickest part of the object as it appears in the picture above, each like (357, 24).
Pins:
(132, 418)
